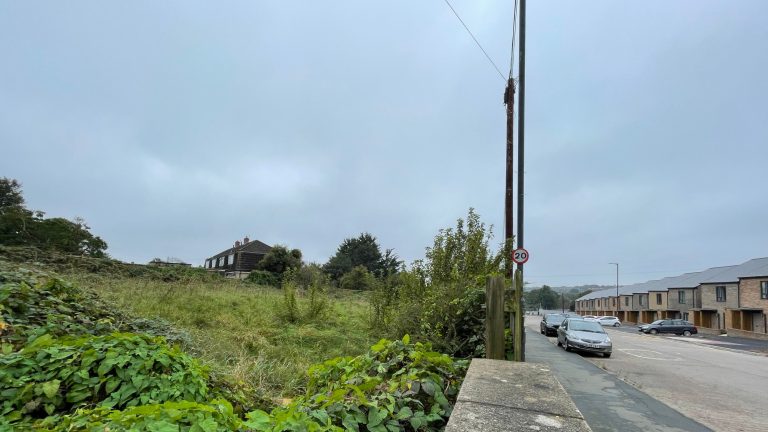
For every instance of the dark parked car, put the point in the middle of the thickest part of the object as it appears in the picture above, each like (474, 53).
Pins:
(676, 326)
(583, 335)
(550, 323)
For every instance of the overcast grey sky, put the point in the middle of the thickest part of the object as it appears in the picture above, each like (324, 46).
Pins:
(176, 127)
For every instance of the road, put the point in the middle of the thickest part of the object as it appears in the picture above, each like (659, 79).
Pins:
(679, 380)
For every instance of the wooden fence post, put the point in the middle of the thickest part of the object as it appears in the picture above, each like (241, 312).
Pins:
(494, 318)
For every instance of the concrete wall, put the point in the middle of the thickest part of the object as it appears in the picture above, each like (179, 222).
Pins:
(500, 396)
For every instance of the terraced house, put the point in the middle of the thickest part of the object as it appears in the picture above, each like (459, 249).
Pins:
(729, 299)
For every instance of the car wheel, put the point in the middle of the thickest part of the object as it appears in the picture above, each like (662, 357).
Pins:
(616, 325)
(542, 331)
(558, 342)
(687, 333)
(607, 355)
(653, 331)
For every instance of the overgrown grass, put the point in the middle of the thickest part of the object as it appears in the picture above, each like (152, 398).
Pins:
(238, 329)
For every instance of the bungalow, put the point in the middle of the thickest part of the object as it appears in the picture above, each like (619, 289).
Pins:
(242, 257)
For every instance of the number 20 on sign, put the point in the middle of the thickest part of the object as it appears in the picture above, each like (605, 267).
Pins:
(520, 256)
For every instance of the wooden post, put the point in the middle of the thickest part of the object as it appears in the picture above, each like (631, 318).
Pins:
(494, 318)
(518, 337)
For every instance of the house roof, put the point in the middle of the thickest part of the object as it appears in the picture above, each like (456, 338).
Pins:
(253, 246)
(753, 268)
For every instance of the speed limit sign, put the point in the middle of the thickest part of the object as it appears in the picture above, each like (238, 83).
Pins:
(520, 256)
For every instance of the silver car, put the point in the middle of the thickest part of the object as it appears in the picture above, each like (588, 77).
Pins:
(583, 335)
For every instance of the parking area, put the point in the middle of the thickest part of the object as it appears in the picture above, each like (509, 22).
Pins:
(723, 389)
(715, 341)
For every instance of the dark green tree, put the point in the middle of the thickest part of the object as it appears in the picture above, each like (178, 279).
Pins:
(22, 227)
(10, 194)
(362, 251)
(280, 259)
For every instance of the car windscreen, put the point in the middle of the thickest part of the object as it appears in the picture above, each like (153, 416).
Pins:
(554, 318)
(587, 326)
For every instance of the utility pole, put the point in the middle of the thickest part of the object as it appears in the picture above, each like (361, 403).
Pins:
(521, 175)
(509, 101)
(617, 290)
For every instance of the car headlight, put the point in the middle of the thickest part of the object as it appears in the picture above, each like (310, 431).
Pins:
(575, 339)
(607, 340)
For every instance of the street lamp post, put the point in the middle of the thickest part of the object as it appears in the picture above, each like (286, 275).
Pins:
(617, 288)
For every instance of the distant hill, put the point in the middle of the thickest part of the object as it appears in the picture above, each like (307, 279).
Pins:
(572, 289)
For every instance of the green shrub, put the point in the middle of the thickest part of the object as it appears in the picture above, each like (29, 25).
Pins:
(440, 298)
(290, 309)
(120, 370)
(395, 386)
(359, 278)
(263, 277)
(216, 415)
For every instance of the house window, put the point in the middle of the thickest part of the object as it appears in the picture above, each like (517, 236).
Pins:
(658, 299)
(764, 290)
(626, 301)
(642, 300)
(220, 262)
(681, 297)
(231, 259)
(720, 293)
(613, 301)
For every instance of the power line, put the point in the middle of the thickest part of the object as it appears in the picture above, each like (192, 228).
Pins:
(514, 34)
(475, 39)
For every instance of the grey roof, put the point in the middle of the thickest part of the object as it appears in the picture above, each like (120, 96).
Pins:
(254, 246)
(755, 268)
(752, 268)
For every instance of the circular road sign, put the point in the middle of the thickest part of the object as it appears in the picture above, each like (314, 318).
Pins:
(520, 256)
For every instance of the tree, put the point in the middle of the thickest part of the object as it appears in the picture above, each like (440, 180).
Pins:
(362, 251)
(359, 278)
(10, 194)
(280, 259)
(22, 227)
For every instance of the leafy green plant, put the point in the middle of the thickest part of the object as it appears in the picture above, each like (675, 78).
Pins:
(290, 308)
(359, 278)
(116, 371)
(263, 277)
(440, 298)
(395, 386)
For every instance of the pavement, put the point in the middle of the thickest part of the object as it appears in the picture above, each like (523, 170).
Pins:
(606, 402)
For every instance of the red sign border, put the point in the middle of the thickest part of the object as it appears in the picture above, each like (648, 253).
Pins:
(527, 255)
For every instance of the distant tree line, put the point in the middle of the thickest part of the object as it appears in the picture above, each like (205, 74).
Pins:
(358, 264)
(20, 226)
(548, 298)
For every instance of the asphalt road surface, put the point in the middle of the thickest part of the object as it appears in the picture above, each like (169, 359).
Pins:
(607, 403)
(722, 389)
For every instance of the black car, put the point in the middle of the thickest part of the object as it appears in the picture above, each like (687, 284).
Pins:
(675, 326)
(550, 323)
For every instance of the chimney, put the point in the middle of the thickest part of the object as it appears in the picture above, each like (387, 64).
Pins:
(237, 243)
(246, 240)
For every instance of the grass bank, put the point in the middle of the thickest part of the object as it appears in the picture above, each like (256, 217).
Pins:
(238, 329)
